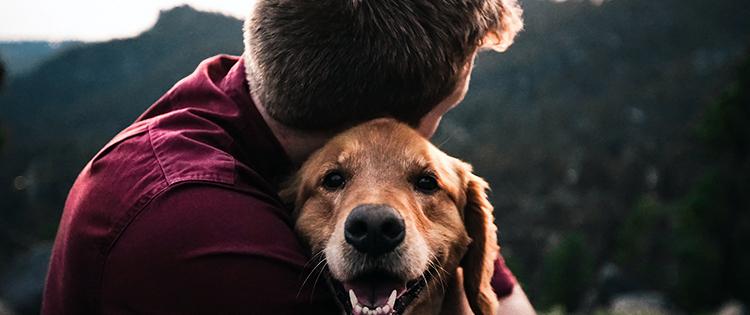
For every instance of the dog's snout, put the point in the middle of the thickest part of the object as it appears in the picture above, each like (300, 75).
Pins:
(374, 229)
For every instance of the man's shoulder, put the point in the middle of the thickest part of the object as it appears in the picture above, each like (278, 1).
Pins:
(147, 158)
(154, 157)
(204, 130)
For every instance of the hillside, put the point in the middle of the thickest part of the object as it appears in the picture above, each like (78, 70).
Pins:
(591, 111)
(22, 56)
(109, 84)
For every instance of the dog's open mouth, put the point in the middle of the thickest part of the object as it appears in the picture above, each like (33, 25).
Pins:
(378, 293)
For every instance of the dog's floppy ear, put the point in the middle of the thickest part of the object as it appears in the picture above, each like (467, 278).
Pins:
(292, 193)
(290, 190)
(478, 262)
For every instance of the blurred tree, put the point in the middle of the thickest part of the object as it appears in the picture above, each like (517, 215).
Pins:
(715, 217)
(566, 273)
(643, 245)
(695, 248)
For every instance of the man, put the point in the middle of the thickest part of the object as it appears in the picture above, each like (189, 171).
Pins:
(179, 213)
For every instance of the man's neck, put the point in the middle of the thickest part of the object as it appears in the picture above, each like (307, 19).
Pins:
(298, 144)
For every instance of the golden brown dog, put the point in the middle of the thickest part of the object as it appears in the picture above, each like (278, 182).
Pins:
(392, 218)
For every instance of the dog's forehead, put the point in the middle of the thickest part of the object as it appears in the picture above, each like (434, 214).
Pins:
(386, 146)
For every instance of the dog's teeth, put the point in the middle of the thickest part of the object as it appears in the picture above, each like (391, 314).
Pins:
(392, 299)
(365, 310)
(378, 310)
(357, 309)
(386, 309)
(352, 297)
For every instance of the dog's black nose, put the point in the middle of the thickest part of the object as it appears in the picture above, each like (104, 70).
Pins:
(374, 229)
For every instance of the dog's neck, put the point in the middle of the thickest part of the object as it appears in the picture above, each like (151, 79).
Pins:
(297, 144)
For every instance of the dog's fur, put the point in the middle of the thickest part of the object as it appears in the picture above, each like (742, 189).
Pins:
(449, 228)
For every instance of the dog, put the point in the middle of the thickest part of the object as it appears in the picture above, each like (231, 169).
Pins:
(391, 218)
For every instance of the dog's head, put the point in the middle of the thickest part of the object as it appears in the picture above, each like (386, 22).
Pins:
(393, 217)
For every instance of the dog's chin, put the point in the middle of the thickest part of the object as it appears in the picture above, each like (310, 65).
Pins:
(379, 292)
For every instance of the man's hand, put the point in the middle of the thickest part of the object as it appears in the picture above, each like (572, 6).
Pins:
(456, 302)
(516, 303)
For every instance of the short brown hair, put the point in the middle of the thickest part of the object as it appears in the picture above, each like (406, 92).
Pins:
(329, 64)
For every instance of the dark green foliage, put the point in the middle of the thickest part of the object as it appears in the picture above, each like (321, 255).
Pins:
(591, 109)
(644, 243)
(725, 126)
(567, 272)
(695, 248)
(716, 214)
(712, 222)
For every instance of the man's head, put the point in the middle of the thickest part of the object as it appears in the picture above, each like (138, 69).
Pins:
(324, 65)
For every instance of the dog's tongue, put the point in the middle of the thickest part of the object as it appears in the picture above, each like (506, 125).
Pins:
(374, 292)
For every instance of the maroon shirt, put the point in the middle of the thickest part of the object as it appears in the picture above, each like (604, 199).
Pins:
(179, 214)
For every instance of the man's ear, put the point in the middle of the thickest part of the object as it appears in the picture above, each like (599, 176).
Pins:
(478, 262)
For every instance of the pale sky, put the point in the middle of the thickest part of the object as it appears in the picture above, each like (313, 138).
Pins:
(56, 20)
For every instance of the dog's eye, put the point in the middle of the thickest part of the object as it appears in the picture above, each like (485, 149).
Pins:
(426, 183)
(334, 180)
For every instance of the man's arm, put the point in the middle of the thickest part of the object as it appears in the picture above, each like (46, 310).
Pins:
(516, 303)
(509, 293)
(204, 249)
(511, 297)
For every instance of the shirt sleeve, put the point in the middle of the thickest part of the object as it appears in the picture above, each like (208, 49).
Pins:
(202, 249)
(503, 280)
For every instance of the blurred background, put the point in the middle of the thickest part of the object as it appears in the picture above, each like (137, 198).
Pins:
(615, 135)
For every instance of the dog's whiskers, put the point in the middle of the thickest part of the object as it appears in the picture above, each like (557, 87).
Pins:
(442, 273)
(312, 292)
(439, 272)
(320, 263)
(314, 257)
